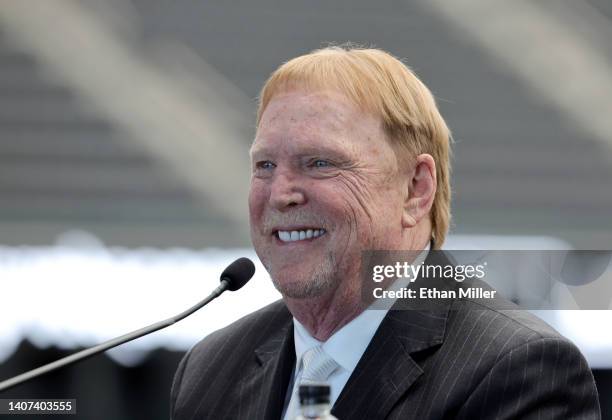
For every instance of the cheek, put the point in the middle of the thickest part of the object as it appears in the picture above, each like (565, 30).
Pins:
(372, 210)
(359, 195)
(257, 200)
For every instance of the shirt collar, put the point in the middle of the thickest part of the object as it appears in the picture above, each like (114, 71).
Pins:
(348, 344)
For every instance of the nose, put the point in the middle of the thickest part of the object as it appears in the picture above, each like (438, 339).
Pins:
(286, 192)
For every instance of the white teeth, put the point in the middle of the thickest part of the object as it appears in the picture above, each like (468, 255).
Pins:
(299, 235)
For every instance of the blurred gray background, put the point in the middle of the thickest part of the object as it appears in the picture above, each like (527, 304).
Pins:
(525, 87)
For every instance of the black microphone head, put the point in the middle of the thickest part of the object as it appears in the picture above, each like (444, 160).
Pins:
(238, 273)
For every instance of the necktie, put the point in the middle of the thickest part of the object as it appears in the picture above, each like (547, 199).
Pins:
(317, 366)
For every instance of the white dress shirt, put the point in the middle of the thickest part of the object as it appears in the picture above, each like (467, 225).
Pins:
(345, 346)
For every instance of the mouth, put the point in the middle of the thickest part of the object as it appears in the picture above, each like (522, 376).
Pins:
(296, 235)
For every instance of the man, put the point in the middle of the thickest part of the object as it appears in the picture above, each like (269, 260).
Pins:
(351, 154)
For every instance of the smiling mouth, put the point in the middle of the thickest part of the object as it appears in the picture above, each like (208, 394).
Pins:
(299, 235)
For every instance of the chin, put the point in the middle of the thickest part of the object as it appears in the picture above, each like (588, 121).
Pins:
(310, 285)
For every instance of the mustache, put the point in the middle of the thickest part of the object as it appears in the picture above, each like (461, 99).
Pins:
(297, 217)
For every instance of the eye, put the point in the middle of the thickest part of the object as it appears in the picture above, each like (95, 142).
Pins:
(321, 163)
(265, 165)
(263, 169)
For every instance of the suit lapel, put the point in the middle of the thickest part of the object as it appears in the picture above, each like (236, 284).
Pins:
(386, 370)
(275, 360)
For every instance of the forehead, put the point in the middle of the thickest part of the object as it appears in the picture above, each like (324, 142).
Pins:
(328, 115)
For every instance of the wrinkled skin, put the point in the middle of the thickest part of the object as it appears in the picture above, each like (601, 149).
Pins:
(319, 162)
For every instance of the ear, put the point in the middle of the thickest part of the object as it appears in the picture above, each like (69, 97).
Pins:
(421, 191)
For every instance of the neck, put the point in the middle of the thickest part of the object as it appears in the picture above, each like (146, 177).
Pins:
(323, 315)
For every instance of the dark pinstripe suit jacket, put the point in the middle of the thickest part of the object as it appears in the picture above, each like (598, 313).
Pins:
(464, 360)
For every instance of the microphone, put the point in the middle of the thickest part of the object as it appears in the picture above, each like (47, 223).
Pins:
(236, 275)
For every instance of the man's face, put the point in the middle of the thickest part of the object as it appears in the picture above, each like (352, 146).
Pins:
(324, 187)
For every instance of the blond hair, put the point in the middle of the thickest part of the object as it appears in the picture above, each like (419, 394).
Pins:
(380, 84)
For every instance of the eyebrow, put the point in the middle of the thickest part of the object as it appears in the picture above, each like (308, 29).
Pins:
(307, 150)
(255, 150)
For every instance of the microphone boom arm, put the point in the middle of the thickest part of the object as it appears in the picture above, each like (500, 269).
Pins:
(109, 344)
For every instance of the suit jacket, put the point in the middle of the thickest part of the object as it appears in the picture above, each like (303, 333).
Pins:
(463, 359)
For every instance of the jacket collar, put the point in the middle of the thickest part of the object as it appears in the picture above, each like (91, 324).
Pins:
(275, 359)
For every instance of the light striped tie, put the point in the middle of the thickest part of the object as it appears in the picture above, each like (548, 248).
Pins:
(317, 366)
